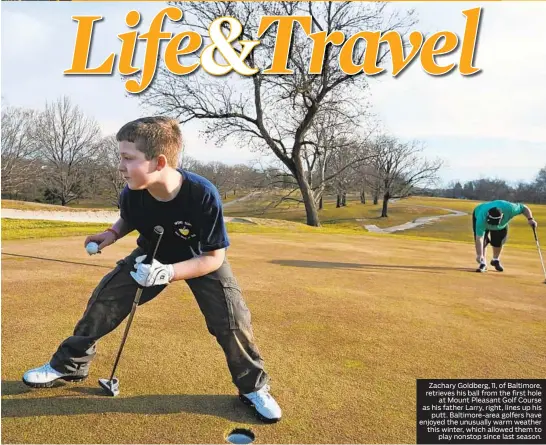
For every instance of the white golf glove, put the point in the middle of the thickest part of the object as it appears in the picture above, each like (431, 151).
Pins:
(154, 274)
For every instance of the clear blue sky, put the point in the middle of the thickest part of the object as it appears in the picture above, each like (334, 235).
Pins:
(489, 125)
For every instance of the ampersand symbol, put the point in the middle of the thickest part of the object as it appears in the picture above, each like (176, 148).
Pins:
(223, 44)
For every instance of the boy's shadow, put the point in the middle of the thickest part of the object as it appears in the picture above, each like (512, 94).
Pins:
(359, 266)
(94, 401)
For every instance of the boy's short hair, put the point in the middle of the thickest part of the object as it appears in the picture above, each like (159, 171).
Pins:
(154, 136)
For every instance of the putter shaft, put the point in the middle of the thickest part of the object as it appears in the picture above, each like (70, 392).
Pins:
(129, 321)
(112, 385)
(539, 252)
(541, 260)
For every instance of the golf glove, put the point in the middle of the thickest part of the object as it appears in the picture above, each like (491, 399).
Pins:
(155, 274)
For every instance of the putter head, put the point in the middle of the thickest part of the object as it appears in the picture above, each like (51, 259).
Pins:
(111, 387)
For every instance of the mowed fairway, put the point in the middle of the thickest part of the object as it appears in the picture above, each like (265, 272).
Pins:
(346, 324)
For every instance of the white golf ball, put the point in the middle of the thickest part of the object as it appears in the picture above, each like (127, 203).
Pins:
(92, 248)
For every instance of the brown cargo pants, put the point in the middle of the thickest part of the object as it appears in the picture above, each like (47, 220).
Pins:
(218, 296)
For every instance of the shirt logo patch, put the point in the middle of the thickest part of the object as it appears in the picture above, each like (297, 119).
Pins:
(183, 229)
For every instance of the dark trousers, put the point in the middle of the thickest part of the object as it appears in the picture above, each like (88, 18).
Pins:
(218, 296)
(496, 238)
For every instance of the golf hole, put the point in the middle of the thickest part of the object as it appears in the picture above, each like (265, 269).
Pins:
(240, 436)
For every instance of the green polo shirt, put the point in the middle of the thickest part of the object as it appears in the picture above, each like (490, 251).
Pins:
(508, 209)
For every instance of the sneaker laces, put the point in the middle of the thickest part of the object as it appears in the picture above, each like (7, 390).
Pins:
(262, 394)
(49, 370)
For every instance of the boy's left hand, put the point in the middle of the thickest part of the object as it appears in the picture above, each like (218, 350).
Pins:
(154, 274)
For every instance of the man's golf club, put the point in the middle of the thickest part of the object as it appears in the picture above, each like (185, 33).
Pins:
(111, 386)
(539, 252)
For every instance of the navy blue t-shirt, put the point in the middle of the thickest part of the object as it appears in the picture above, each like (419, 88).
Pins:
(193, 221)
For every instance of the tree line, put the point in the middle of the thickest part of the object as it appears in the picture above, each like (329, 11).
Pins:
(487, 189)
(58, 155)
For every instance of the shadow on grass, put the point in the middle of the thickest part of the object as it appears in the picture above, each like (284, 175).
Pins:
(93, 401)
(14, 388)
(56, 260)
(334, 265)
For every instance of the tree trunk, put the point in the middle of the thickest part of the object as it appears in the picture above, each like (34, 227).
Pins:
(309, 201)
(384, 210)
(344, 199)
(338, 201)
(375, 198)
(321, 203)
(363, 197)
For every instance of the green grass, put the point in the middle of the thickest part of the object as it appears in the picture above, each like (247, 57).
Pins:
(290, 218)
(84, 204)
(463, 205)
(81, 207)
(230, 196)
(18, 229)
(353, 216)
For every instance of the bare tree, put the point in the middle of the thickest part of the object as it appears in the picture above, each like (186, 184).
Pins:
(245, 177)
(66, 139)
(371, 177)
(341, 171)
(274, 113)
(401, 167)
(225, 177)
(337, 145)
(108, 165)
(539, 187)
(19, 164)
(191, 164)
(216, 172)
(366, 180)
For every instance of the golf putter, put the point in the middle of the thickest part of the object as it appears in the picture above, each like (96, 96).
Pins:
(539, 252)
(111, 385)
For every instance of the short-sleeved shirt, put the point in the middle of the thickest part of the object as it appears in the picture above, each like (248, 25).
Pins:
(193, 221)
(508, 209)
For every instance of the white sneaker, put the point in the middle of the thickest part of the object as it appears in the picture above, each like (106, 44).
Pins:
(267, 409)
(45, 376)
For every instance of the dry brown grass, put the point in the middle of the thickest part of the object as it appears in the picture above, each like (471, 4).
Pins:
(346, 324)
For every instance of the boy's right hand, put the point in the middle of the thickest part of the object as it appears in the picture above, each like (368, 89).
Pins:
(103, 239)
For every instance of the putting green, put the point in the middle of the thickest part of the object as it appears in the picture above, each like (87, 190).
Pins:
(345, 323)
